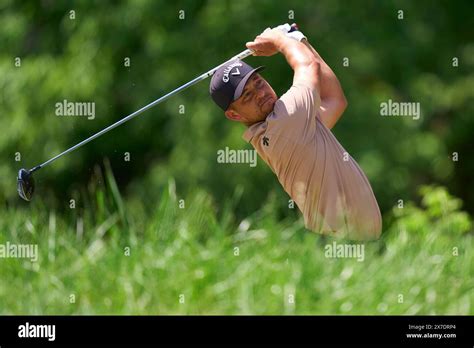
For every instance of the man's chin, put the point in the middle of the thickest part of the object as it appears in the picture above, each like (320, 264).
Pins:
(268, 107)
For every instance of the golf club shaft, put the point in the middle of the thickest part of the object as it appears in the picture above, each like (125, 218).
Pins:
(241, 55)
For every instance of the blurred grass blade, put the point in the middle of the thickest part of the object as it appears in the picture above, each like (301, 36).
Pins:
(115, 191)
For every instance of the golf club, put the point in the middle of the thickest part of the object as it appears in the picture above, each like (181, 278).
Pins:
(25, 181)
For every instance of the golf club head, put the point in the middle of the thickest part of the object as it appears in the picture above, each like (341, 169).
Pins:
(25, 184)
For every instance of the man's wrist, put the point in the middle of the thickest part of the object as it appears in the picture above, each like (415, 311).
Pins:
(282, 42)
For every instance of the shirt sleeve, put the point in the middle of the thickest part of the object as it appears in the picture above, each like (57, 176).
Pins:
(300, 100)
(295, 113)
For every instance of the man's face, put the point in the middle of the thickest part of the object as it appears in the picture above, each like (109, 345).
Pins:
(255, 103)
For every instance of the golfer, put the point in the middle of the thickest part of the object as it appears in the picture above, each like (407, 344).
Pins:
(292, 134)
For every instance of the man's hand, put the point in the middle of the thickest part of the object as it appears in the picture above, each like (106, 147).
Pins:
(267, 43)
(303, 62)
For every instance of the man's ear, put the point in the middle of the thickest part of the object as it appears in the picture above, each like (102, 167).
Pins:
(232, 115)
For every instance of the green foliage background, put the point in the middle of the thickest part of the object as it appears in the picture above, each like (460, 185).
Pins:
(82, 59)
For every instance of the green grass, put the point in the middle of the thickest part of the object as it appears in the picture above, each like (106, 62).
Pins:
(192, 252)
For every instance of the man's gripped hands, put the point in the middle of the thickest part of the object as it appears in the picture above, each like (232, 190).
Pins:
(271, 40)
(267, 43)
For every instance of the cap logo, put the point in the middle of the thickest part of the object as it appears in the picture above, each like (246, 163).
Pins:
(236, 72)
(229, 68)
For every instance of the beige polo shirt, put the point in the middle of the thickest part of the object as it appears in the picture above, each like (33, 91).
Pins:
(324, 181)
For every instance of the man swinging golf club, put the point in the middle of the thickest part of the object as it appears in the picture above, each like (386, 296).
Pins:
(292, 135)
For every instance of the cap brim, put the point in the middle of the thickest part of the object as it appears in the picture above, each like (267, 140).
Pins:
(240, 87)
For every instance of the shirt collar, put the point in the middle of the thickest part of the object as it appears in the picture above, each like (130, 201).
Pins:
(251, 130)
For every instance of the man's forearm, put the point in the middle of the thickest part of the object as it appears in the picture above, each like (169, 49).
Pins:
(330, 87)
(295, 53)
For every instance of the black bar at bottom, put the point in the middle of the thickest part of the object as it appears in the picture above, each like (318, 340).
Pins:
(288, 330)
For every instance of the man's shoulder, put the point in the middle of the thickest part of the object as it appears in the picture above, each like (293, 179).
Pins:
(300, 99)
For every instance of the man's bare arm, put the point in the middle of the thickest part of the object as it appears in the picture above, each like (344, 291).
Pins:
(333, 100)
(306, 67)
(304, 63)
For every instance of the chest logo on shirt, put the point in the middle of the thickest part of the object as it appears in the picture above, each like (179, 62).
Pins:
(266, 141)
